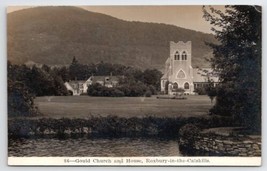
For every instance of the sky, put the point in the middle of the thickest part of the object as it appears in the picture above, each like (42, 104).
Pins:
(189, 17)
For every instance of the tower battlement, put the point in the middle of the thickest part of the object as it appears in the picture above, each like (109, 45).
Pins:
(180, 46)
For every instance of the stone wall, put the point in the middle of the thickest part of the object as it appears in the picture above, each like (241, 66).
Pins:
(225, 145)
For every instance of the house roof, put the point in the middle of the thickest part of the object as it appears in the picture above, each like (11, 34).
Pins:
(77, 81)
(95, 79)
(68, 86)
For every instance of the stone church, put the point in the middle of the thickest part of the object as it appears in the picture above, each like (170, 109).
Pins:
(179, 72)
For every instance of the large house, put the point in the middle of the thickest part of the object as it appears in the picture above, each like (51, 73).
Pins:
(180, 74)
(79, 87)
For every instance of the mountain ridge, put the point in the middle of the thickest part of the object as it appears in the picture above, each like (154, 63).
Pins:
(53, 35)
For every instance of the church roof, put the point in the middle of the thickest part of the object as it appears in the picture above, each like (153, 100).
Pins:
(200, 75)
(165, 76)
(166, 73)
(167, 61)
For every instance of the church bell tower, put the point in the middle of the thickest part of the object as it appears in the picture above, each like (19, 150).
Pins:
(181, 71)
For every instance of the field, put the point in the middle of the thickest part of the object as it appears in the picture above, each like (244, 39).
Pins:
(85, 106)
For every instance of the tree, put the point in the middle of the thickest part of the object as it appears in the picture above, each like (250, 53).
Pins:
(63, 72)
(59, 87)
(74, 61)
(211, 90)
(79, 71)
(152, 77)
(20, 100)
(104, 68)
(237, 57)
(40, 82)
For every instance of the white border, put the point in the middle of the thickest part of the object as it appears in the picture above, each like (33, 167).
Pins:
(3, 78)
(135, 161)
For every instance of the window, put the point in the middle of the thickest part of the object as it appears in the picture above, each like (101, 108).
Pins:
(177, 56)
(186, 86)
(184, 56)
(181, 74)
(175, 86)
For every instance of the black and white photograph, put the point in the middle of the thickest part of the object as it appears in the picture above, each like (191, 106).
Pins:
(134, 85)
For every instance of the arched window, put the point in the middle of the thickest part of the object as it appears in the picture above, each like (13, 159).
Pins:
(181, 74)
(175, 86)
(176, 56)
(184, 56)
(186, 86)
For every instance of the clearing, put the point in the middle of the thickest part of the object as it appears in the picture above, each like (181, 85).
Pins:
(86, 106)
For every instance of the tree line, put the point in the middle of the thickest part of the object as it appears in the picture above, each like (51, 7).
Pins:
(24, 83)
(78, 71)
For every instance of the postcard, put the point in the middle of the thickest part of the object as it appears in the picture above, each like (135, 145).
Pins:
(176, 85)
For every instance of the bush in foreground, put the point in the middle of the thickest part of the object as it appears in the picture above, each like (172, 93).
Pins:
(20, 100)
(112, 126)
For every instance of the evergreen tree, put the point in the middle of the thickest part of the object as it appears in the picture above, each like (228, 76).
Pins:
(237, 58)
(78, 71)
(63, 72)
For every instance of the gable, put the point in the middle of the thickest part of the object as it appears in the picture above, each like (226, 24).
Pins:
(181, 74)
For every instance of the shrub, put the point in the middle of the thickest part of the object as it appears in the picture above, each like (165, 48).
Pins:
(117, 93)
(137, 90)
(117, 126)
(125, 89)
(152, 89)
(132, 90)
(189, 133)
(94, 89)
(99, 90)
(70, 93)
(200, 91)
(148, 93)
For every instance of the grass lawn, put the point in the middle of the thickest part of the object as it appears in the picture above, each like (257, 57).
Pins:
(86, 106)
